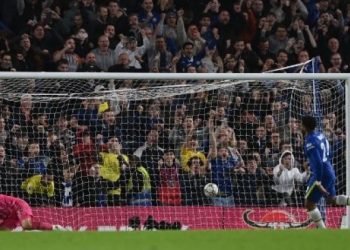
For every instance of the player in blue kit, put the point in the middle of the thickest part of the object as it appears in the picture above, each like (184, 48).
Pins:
(322, 179)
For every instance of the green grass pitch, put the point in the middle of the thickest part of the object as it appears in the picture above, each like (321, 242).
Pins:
(179, 240)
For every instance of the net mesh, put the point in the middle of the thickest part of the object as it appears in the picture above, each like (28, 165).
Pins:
(89, 153)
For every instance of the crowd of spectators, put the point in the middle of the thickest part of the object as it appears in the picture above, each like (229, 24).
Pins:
(173, 35)
(162, 151)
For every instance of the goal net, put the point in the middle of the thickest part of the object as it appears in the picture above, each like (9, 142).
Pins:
(100, 153)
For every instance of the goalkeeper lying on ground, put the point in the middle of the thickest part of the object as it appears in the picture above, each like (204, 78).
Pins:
(15, 212)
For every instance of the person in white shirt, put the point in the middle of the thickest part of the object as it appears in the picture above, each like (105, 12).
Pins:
(285, 175)
(129, 45)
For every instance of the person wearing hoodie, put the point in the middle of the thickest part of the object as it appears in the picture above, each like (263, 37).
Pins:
(285, 174)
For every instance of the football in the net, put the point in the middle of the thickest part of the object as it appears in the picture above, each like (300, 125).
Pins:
(211, 190)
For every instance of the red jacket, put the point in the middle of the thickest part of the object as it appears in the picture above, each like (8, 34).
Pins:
(169, 192)
(86, 154)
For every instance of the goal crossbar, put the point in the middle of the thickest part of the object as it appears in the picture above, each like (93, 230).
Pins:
(175, 76)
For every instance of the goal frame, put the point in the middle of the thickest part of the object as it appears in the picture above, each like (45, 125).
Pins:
(211, 76)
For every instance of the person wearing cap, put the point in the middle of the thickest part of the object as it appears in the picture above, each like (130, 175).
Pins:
(135, 52)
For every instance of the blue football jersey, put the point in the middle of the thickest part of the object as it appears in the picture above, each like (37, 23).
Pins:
(317, 152)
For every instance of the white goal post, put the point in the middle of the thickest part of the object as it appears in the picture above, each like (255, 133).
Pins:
(223, 80)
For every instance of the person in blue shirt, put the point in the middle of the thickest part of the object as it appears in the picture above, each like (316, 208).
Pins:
(222, 170)
(188, 58)
(322, 180)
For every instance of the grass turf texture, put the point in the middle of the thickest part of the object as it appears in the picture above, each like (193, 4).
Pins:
(169, 240)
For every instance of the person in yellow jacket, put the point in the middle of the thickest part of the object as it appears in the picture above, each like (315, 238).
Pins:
(139, 184)
(189, 151)
(40, 189)
(114, 166)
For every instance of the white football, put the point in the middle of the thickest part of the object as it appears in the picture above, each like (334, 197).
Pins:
(211, 189)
